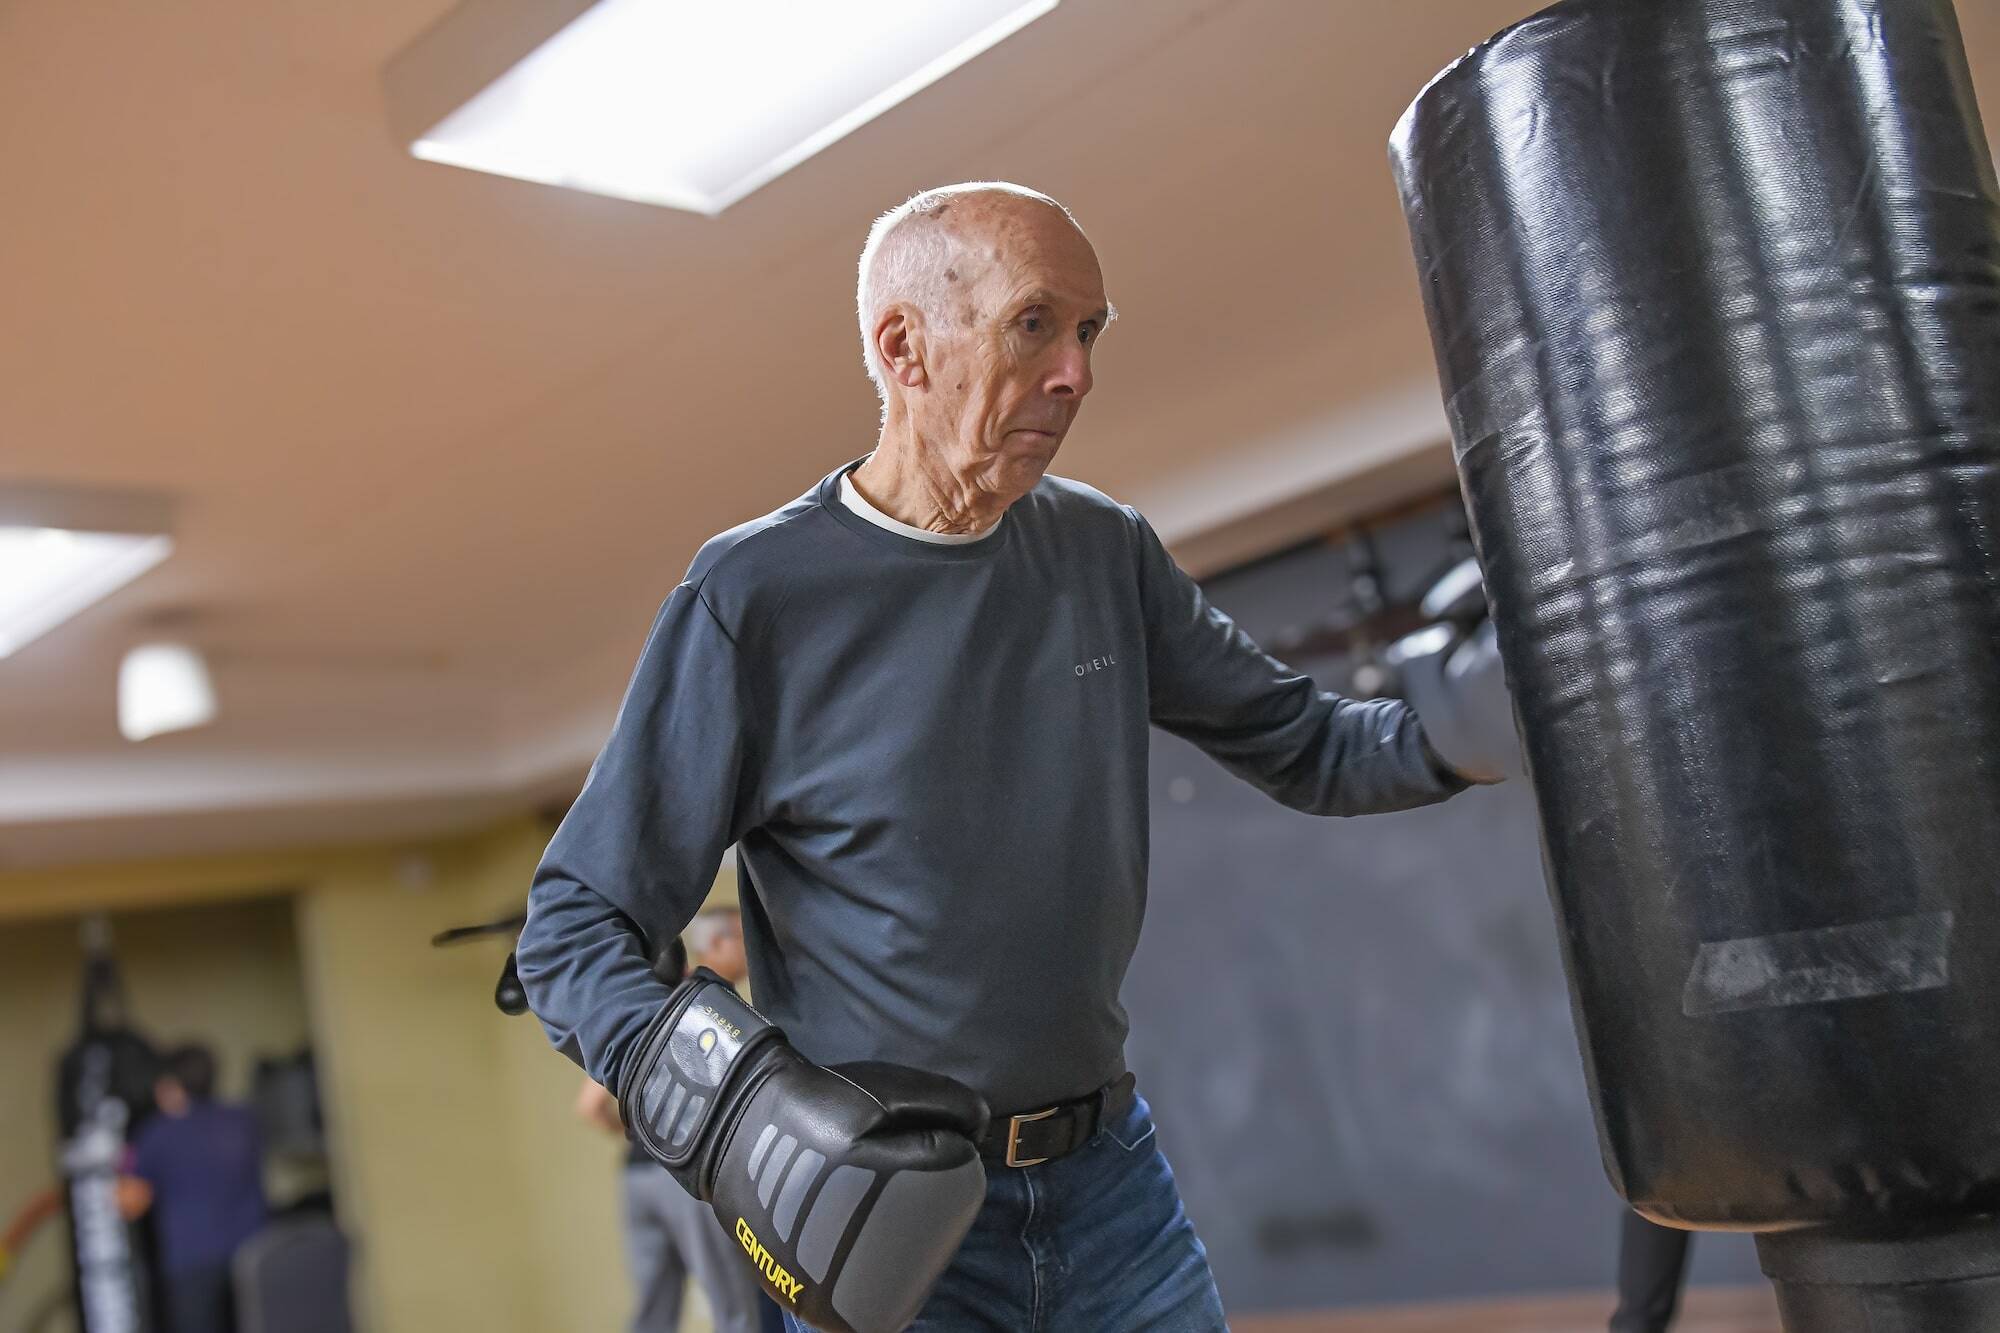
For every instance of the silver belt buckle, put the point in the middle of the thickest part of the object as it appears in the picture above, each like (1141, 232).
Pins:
(1014, 1124)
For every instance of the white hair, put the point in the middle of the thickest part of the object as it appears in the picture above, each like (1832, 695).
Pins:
(912, 270)
(707, 928)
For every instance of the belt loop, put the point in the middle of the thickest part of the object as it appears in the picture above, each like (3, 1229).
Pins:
(1120, 1087)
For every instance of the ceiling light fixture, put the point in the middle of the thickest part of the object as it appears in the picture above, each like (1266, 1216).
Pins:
(689, 105)
(163, 687)
(49, 574)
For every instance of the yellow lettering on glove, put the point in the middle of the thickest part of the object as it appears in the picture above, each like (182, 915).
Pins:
(774, 1272)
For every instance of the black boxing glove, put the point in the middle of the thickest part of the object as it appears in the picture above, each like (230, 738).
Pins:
(849, 1189)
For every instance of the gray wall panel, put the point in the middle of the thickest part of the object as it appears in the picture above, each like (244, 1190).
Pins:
(1355, 1034)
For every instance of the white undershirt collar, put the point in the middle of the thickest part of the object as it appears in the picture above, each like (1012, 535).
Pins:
(857, 503)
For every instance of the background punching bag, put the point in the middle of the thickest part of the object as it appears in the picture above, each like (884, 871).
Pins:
(1714, 287)
(104, 1091)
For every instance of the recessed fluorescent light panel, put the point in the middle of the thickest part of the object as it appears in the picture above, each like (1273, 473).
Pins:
(48, 575)
(695, 103)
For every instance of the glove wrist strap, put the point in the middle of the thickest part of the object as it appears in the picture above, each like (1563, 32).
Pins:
(690, 1062)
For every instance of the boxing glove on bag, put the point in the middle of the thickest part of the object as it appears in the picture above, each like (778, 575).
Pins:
(848, 1188)
(1714, 290)
(1453, 681)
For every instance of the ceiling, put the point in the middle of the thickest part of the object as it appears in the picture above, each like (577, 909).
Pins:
(438, 443)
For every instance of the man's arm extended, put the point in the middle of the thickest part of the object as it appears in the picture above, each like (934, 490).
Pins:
(1268, 724)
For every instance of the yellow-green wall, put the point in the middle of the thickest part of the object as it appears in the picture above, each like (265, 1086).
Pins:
(475, 1197)
(481, 1202)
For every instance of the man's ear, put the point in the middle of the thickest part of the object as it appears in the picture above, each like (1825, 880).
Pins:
(901, 346)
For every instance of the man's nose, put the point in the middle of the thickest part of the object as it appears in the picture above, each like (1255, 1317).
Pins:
(1069, 377)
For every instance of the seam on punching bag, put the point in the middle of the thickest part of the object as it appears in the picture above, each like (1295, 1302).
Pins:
(1885, 957)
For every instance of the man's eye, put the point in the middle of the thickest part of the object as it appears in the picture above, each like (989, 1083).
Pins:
(1032, 323)
(1086, 333)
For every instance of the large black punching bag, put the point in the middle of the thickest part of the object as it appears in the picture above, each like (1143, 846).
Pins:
(1714, 288)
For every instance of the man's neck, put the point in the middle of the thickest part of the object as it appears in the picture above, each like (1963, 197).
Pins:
(895, 480)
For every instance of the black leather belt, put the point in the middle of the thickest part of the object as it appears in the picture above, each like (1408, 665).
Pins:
(1034, 1137)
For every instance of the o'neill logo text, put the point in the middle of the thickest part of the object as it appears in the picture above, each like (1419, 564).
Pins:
(1096, 664)
(787, 1285)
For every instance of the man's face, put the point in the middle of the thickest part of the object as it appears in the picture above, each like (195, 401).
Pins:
(725, 956)
(1008, 354)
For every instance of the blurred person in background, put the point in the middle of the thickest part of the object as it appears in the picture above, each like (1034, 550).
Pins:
(198, 1167)
(715, 938)
(670, 1234)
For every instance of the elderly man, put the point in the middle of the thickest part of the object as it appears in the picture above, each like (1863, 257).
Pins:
(917, 699)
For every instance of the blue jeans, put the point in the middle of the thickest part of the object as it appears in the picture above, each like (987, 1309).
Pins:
(1095, 1242)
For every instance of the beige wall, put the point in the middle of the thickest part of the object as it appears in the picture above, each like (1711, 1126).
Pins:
(227, 974)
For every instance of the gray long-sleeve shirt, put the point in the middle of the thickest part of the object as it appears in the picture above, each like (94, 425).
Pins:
(932, 760)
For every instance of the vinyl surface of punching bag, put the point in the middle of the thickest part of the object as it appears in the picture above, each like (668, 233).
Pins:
(1714, 297)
